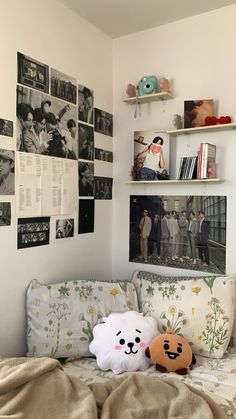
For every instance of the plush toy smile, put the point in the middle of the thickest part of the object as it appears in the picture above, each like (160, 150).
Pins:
(131, 352)
(171, 355)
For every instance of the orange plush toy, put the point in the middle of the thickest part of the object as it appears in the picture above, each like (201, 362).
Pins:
(171, 353)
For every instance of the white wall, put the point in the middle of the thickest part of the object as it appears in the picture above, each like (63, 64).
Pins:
(51, 33)
(197, 55)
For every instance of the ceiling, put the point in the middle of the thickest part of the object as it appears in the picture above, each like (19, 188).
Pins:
(122, 17)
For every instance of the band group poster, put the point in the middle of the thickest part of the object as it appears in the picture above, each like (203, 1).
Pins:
(187, 232)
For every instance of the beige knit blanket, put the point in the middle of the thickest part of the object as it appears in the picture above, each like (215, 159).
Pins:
(38, 388)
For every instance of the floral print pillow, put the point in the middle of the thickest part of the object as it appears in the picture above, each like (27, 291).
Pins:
(200, 309)
(61, 317)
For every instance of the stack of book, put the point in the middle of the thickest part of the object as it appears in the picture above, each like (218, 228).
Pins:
(201, 167)
(206, 161)
(187, 168)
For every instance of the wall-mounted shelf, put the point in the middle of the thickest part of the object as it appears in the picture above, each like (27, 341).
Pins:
(150, 182)
(148, 98)
(220, 127)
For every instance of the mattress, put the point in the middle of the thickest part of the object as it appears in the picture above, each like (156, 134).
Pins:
(216, 377)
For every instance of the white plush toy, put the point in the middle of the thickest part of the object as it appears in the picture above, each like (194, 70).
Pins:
(120, 342)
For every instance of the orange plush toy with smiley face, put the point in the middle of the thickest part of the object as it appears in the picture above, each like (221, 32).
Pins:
(171, 353)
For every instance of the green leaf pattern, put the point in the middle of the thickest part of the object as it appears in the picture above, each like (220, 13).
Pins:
(61, 317)
(199, 309)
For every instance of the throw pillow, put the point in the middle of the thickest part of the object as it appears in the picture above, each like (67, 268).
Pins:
(201, 309)
(61, 316)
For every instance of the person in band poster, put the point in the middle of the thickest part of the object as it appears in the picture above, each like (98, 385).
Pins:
(185, 232)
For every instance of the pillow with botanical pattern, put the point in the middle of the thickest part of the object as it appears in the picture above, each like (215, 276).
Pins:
(61, 317)
(201, 309)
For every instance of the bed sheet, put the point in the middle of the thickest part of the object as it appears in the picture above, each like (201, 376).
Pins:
(216, 377)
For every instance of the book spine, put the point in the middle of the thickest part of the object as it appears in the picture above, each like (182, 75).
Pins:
(199, 161)
(204, 161)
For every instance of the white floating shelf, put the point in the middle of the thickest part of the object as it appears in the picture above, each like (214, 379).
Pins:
(150, 182)
(219, 127)
(148, 98)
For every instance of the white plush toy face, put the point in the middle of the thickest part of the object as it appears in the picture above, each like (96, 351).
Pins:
(119, 344)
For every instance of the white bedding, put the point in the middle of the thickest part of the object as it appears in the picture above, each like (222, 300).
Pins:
(216, 377)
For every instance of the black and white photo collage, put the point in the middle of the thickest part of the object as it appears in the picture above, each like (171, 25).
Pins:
(56, 117)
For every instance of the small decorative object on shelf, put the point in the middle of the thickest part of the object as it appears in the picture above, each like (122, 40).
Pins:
(213, 120)
(177, 121)
(164, 85)
(131, 90)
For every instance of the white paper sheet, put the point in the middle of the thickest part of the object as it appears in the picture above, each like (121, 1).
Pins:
(46, 185)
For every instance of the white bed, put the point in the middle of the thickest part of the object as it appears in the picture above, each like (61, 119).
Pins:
(216, 377)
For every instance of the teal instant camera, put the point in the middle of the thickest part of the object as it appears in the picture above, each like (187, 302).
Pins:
(148, 85)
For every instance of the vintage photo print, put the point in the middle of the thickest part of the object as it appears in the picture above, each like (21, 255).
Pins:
(45, 125)
(151, 155)
(86, 179)
(86, 142)
(85, 104)
(187, 232)
(103, 122)
(5, 214)
(33, 232)
(63, 86)
(103, 155)
(6, 127)
(7, 172)
(64, 228)
(196, 111)
(86, 216)
(32, 73)
(103, 187)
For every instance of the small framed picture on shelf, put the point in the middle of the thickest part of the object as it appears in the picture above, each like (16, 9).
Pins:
(151, 156)
(196, 111)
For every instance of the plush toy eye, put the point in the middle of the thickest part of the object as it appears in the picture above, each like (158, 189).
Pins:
(137, 340)
(122, 342)
(180, 350)
(166, 346)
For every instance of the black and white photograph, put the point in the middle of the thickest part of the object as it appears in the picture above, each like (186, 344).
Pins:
(103, 122)
(45, 125)
(64, 228)
(32, 232)
(6, 127)
(63, 86)
(103, 187)
(187, 232)
(86, 179)
(85, 104)
(7, 172)
(86, 142)
(103, 155)
(32, 73)
(151, 155)
(86, 216)
(5, 214)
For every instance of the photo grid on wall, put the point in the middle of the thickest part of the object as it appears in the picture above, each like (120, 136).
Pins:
(187, 232)
(54, 132)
